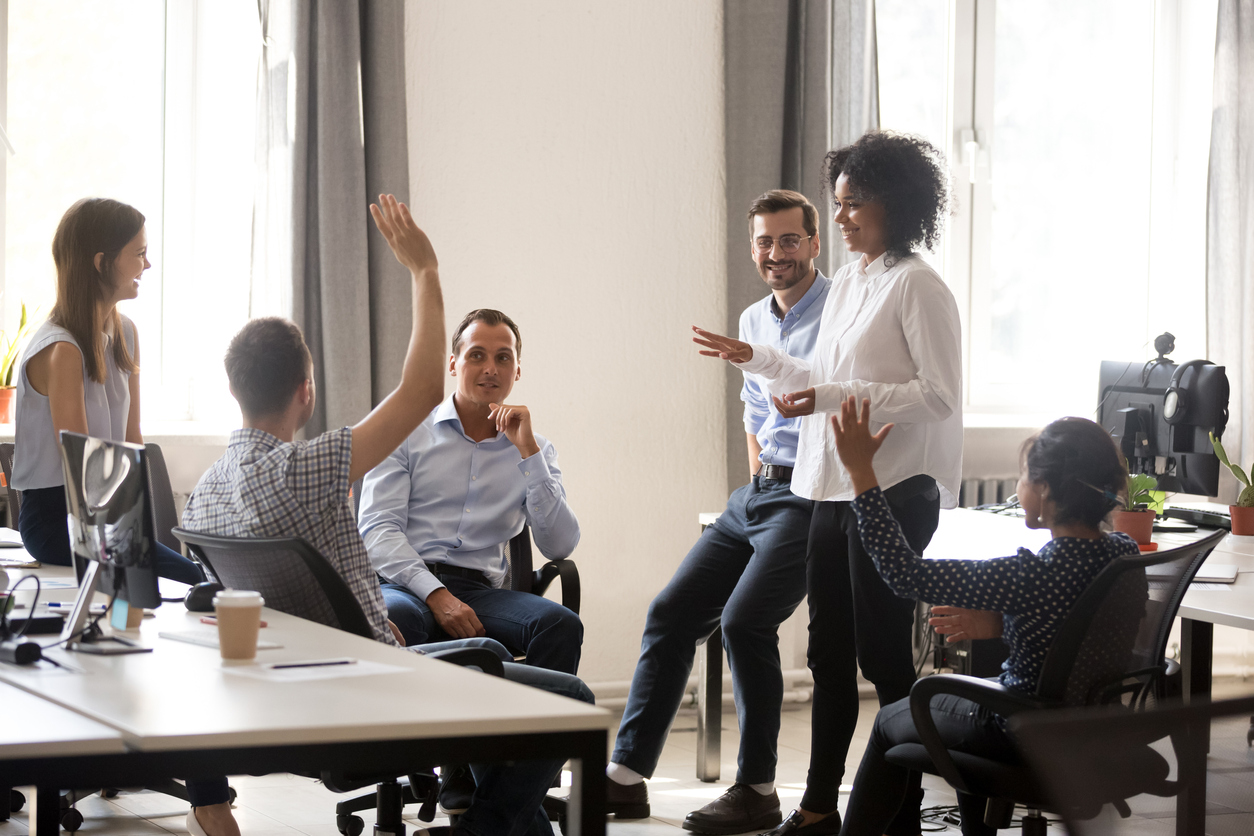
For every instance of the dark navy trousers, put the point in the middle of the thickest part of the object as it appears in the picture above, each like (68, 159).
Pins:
(747, 573)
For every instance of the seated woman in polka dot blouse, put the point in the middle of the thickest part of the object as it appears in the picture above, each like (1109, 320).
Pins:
(1069, 472)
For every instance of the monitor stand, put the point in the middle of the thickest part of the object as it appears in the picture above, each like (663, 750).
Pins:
(76, 634)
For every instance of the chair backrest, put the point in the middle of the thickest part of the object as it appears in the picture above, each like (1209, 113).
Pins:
(1085, 757)
(288, 572)
(1118, 627)
(6, 464)
(165, 517)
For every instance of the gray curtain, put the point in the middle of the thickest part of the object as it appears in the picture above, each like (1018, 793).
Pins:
(1230, 226)
(349, 294)
(800, 80)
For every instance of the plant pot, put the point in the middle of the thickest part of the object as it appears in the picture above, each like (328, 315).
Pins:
(6, 404)
(1242, 520)
(1139, 525)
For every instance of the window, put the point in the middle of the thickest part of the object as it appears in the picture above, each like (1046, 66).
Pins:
(1078, 135)
(151, 102)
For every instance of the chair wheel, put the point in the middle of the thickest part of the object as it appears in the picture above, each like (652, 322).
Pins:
(110, 792)
(16, 800)
(350, 825)
(71, 820)
(232, 795)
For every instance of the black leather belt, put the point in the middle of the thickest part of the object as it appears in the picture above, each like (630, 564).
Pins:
(775, 471)
(443, 570)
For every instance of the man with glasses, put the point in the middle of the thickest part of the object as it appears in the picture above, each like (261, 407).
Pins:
(747, 571)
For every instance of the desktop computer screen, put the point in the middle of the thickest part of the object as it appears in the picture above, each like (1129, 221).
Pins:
(110, 515)
(1161, 415)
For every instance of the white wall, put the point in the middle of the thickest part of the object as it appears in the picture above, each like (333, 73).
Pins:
(567, 161)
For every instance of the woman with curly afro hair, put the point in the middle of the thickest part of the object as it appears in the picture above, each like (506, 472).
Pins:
(889, 334)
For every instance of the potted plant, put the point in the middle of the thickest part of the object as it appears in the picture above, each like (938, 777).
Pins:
(1136, 517)
(1243, 512)
(10, 349)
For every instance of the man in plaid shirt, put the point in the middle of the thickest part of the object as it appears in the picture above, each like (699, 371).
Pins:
(268, 485)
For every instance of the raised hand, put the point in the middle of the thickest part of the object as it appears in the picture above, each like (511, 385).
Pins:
(723, 347)
(854, 443)
(515, 422)
(796, 404)
(958, 624)
(409, 244)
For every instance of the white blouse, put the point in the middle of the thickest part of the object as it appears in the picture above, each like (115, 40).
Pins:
(36, 448)
(891, 334)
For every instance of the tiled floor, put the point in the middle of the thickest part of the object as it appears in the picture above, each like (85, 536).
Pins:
(286, 805)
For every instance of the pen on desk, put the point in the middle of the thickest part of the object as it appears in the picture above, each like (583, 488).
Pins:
(213, 620)
(324, 663)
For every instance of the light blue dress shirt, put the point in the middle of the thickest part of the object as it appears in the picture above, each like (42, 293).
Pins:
(442, 498)
(794, 334)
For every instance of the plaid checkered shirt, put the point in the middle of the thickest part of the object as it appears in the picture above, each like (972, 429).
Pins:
(264, 487)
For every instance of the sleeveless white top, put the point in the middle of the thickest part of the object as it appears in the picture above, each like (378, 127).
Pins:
(36, 449)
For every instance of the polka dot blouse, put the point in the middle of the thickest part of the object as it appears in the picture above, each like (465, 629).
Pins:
(1034, 592)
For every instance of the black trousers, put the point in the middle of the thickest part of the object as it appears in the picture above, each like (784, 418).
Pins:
(855, 620)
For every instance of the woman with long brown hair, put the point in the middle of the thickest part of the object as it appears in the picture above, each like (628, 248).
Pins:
(81, 371)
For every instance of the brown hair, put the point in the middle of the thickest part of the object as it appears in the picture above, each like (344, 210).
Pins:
(778, 200)
(92, 225)
(487, 316)
(266, 363)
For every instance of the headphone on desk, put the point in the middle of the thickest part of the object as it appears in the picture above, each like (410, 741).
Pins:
(1176, 398)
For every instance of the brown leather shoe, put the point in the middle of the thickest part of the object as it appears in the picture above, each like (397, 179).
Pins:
(626, 801)
(794, 826)
(740, 809)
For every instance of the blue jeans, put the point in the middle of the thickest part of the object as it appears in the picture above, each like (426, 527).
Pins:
(548, 634)
(47, 538)
(747, 571)
(881, 787)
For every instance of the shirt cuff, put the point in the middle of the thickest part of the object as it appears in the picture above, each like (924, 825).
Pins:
(424, 585)
(829, 396)
(756, 364)
(535, 469)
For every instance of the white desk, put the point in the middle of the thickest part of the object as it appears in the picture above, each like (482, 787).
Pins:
(180, 708)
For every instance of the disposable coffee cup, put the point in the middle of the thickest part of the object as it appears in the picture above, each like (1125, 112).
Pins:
(239, 619)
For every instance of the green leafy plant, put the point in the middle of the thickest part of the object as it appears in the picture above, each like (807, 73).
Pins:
(1142, 494)
(11, 348)
(1246, 499)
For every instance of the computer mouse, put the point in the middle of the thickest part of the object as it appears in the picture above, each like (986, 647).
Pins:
(200, 597)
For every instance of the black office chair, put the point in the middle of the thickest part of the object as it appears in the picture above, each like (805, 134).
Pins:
(11, 494)
(294, 578)
(1110, 649)
(1078, 752)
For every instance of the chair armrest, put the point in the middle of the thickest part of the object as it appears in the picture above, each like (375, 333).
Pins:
(472, 657)
(567, 572)
(987, 693)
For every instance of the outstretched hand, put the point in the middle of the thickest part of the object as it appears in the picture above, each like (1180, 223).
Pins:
(958, 624)
(723, 347)
(795, 404)
(855, 444)
(409, 244)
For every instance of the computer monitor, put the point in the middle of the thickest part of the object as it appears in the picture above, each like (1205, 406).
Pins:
(111, 525)
(1161, 414)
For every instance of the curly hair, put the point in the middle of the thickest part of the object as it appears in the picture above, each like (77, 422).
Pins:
(906, 174)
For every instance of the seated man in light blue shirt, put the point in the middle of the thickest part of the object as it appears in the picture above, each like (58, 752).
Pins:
(438, 513)
(748, 570)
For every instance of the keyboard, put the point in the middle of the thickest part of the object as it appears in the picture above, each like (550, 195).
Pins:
(1200, 517)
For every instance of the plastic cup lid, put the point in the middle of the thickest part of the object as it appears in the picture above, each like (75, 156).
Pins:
(238, 598)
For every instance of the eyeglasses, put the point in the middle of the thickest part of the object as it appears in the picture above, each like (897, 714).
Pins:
(788, 243)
